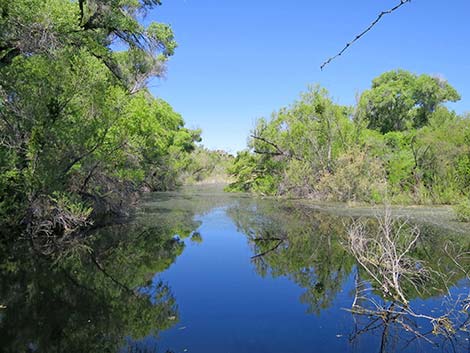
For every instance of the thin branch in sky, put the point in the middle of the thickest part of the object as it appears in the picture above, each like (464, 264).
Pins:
(360, 35)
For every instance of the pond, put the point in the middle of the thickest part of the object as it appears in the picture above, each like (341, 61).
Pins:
(205, 271)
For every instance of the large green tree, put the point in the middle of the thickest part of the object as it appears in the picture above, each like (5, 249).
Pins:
(402, 145)
(399, 100)
(79, 130)
(301, 148)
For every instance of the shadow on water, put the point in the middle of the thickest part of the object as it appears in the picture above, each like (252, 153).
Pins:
(107, 298)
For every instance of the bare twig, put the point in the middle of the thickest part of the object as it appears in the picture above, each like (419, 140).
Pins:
(279, 151)
(384, 253)
(384, 256)
(267, 251)
(364, 32)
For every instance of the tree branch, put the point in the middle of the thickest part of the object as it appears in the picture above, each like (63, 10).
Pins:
(87, 153)
(269, 153)
(364, 32)
(279, 151)
(8, 57)
(82, 11)
(268, 251)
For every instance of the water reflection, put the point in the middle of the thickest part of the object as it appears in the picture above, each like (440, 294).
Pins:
(93, 301)
(311, 249)
(302, 246)
(109, 298)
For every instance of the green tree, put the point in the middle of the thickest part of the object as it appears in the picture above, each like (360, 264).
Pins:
(399, 100)
(297, 145)
(401, 145)
(78, 127)
(207, 166)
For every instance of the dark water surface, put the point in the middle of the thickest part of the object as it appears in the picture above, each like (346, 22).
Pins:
(203, 271)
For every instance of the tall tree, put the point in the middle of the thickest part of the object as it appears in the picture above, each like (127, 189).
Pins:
(399, 100)
(78, 126)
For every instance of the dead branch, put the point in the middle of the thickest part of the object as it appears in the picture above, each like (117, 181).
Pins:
(267, 251)
(384, 256)
(278, 152)
(364, 32)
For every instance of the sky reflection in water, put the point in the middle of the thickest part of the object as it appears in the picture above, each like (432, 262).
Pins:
(292, 299)
(204, 271)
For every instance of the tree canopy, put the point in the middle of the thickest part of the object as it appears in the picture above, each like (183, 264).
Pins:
(399, 144)
(399, 100)
(79, 130)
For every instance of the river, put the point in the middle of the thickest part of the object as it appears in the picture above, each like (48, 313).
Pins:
(204, 271)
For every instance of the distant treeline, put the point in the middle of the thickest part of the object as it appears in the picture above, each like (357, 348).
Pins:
(399, 144)
(207, 167)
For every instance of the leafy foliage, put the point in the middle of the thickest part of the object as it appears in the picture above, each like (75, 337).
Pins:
(207, 167)
(400, 144)
(400, 100)
(462, 211)
(76, 117)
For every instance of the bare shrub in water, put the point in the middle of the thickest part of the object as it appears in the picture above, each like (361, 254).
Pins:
(384, 252)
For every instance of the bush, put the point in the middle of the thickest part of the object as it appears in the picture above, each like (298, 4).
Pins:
(462, 211)
(357, 177)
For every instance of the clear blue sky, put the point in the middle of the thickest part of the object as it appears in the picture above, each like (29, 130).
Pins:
(239, 60)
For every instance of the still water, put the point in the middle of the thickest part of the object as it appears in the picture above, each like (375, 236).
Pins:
(204, 271)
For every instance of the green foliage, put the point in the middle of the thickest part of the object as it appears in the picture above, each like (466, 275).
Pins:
(207, 167)
(400, 100)
(401, 145)
(462, 211)
(253, 174)
(357, 177)
(76, 117)
(295, 147)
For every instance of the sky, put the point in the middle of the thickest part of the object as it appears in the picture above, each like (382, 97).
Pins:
(241, 60)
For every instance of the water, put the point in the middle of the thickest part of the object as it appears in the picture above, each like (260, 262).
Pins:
(203, 271)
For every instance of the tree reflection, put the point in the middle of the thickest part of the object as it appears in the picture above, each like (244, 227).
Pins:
(94, 301)
(303, 246)
(311, 248)
(107, 299)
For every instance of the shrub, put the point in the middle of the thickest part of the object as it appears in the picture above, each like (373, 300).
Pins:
(357, 177)
(462, 211)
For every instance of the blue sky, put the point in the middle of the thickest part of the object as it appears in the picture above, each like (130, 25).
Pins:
(240, 60)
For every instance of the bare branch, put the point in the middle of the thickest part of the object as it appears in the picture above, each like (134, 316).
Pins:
(279, 151)
(384, 255)
(364, 32)
(268, 251)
